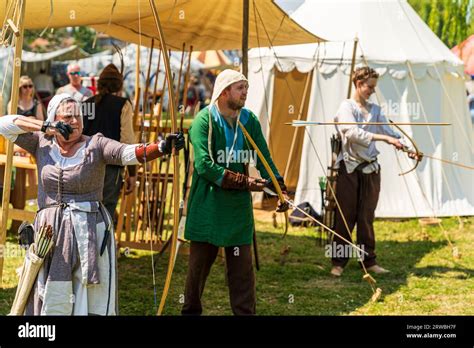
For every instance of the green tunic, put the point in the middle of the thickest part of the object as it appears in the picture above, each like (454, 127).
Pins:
(215, 215)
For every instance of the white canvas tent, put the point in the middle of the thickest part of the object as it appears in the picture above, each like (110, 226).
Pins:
(419, 76)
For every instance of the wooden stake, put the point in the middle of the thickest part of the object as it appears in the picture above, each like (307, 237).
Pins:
(178, 87)
(142, 223)
(185, 90)
(160, 110)
(349, 89)
(8, 165)
(147, 81)
(13, 27)
(155, 85)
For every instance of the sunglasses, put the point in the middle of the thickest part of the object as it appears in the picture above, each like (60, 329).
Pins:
(75, 73)
(27, 86)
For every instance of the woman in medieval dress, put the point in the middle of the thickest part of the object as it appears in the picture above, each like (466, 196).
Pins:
(79, 275)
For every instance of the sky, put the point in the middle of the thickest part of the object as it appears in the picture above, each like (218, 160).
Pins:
(289, 6)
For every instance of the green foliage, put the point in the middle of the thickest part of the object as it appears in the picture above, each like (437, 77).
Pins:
(433, 17)
(55, 39)
(58, 38)
(450, 20)
(84, 37)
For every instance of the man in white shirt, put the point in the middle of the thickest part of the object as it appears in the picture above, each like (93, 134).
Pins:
(75, 88)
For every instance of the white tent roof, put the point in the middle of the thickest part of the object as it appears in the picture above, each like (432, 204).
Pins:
(65, 53)
(403, 36)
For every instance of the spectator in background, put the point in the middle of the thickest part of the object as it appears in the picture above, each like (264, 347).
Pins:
(28, 106)
(44, 84)
(27, 103)
(75, 88)
(111, 115)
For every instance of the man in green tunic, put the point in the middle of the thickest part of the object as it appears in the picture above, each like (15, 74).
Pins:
(219, 209)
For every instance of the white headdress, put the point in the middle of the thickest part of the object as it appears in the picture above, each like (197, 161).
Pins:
(54, 104)
(224, 80)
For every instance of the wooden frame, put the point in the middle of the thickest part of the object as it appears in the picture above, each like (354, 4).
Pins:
(18, 39)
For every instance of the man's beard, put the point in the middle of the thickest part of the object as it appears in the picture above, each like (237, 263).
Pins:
(235, 105)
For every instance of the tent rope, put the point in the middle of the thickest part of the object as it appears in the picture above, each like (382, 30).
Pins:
(51, 13)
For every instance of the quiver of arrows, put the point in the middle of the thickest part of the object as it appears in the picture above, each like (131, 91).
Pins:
(329, 189)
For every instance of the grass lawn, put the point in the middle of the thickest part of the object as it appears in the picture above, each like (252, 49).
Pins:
(425, 278)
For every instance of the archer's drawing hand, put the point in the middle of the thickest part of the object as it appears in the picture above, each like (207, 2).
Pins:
(395, 142)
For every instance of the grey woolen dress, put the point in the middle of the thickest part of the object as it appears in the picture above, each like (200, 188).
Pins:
(74, 279)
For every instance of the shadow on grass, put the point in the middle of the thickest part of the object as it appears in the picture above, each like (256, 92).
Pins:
(439, 272)
(302, 286)
(305, 286)
(7, 295)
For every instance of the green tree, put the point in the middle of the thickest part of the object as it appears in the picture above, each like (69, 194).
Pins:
(450, 20)
(434, 17)
(55, 39)
(84, 38)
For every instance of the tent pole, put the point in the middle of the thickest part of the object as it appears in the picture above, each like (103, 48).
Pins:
(9, 154)
(185, 90)
(245, 38)
(349, 89)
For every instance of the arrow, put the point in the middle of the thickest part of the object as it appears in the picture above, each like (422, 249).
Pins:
(296, 123)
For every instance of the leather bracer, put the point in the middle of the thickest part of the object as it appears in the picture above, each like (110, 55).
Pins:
(235, 181)
(148, 152)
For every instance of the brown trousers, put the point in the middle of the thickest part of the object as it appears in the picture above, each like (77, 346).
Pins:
(240, 277)
(358, 194)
